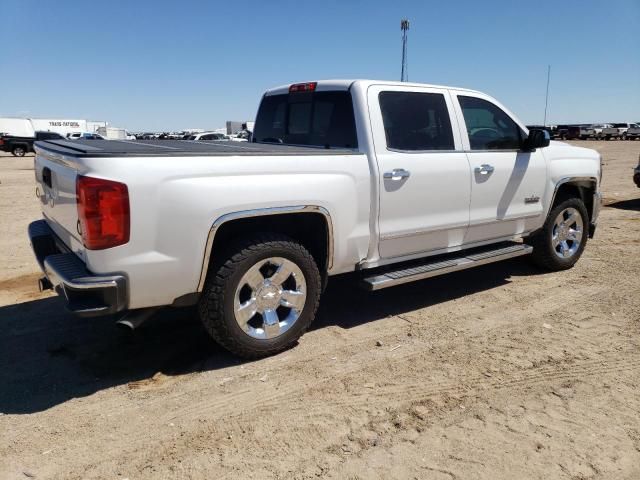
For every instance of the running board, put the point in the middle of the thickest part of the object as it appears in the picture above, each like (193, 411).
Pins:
(432, 267)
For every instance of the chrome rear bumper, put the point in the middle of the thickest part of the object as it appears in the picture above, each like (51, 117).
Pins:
(85, 293)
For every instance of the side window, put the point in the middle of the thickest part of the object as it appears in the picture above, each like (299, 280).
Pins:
(416, 121)
(489, 128)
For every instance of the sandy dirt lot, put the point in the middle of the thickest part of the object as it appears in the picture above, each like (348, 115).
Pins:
(503, 372)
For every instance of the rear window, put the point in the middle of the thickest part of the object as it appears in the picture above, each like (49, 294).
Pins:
(321, 119)
(416, 121)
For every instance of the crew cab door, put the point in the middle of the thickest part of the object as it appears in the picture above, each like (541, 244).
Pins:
(424, 176)
(507, 184)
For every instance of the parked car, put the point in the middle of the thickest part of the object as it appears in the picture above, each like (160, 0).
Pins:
(146, 136)
(208, 136)
(20, 146)
(241, 136)
(616, 130)
(593, 131)
(85, 136)
(395, 183)
(633, 132)
(636, 173)
(566, 132)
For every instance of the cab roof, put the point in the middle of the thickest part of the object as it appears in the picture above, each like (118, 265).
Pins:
(345, 84)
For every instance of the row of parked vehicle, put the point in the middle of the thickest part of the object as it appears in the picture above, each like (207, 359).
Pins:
(20, 146)
(242, 135)
(596, 131)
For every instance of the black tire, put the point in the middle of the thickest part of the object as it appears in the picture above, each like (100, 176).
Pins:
(18, 151)
(216, 307)
(544, 254)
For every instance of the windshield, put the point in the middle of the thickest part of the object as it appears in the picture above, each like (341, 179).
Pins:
(322, 119)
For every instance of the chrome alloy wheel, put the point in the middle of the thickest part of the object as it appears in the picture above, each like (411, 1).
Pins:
(270, 298)
(567, 233)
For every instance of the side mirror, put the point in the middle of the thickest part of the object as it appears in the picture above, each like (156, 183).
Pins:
(537, 138)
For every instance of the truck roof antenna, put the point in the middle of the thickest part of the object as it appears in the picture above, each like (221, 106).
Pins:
(546, 100)
(404, 74)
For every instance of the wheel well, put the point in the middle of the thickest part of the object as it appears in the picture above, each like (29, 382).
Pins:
(309, 229)
(583, 189)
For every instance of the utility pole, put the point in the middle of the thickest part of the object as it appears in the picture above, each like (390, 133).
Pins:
(404, 26)
(546, 100)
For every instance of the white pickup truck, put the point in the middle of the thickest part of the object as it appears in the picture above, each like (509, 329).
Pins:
(394, 181)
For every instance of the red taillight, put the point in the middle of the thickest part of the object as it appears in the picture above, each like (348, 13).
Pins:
(303, 87)
(103, 211)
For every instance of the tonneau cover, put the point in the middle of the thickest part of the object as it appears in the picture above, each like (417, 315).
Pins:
(178, 148)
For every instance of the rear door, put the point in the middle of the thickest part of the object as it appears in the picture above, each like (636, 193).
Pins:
(423, 171)
(507, 184)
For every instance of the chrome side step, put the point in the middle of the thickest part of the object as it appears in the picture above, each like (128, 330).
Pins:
(432, 267)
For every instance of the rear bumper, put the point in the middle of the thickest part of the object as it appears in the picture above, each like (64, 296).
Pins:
(85, 293)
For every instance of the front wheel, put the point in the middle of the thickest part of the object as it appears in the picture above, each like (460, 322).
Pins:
(18, 151)
(561, 241)
(263, 297)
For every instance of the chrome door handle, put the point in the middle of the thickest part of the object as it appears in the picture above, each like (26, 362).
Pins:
(397, 174)
(484, 169)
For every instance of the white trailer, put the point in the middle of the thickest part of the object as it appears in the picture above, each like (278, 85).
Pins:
(18, 127)
(61, 126)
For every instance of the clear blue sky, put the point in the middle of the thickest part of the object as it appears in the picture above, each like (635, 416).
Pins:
(161, 65)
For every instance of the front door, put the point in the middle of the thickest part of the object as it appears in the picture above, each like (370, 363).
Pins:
(424, 174)
(507, 184)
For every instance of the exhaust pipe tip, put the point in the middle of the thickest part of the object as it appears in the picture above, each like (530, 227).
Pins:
(134, 318)
(44, 284)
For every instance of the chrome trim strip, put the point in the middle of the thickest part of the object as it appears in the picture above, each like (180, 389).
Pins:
(564, 180)
(260, 213)
(91, 282)
(379, 282)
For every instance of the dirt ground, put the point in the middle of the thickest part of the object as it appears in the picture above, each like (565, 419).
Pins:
(502, 372)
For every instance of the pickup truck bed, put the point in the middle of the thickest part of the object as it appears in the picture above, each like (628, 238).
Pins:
(179, 148)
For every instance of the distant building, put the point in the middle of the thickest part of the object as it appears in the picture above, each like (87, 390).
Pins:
(235, 127)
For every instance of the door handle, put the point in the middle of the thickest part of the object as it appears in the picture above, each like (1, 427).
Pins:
(397, 174)
(484, 169)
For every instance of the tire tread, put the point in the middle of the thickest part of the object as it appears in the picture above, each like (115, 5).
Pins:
(212, 303)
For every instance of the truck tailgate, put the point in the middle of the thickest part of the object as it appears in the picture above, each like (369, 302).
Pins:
(56, 190)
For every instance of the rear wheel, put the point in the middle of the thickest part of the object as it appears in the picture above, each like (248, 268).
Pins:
(561, 241)
(18, 151)
(263, 297)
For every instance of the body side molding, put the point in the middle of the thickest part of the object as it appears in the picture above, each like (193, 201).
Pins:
(260, 213)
